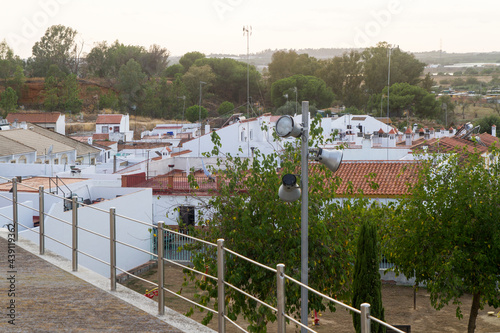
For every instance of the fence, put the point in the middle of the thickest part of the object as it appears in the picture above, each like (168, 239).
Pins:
(221, 251)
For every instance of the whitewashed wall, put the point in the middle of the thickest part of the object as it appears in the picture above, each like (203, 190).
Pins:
(135, 205)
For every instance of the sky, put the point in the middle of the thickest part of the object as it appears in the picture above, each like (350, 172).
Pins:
(216, 26)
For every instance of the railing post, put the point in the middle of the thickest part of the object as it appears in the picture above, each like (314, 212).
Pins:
(221, 296)
(161, 272)
(41, 214)
(280, 282)
(74, 207)
(112, 247)
(15, 216)
(365, 320)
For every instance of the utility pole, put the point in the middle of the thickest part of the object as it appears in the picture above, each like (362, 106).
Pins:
(248, 31)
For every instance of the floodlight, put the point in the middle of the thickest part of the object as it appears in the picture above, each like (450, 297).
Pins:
(289, 190)
(286, 126)
(330, 158)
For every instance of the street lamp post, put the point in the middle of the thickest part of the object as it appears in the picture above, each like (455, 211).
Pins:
(289, 191)
(183, 97)
(199, 119)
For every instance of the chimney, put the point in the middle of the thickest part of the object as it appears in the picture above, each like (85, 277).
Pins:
(408, 136)
(494, 130)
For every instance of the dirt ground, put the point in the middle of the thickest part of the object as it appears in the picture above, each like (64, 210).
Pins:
(398, 303)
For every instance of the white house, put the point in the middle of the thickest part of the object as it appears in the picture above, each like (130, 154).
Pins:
(12, 151)
(135, 203)
(117, 126)
(54, 121)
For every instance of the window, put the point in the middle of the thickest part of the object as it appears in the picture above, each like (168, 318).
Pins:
(116, 129)
(22, 159)
(104, 129)
(13, 161)
(251, 134)
(56, 161)
(64, 159)
(92, 161)
(242, 136)
(186, 215)
(38, 161)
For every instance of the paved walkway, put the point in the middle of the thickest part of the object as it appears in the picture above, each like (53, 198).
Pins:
(48, 298)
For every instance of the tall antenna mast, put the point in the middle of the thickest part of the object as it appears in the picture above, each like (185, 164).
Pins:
(247, 29)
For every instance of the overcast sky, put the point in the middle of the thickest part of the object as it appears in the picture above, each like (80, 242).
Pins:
(216, 26)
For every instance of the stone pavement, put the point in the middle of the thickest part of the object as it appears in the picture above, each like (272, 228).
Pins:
(48, 298)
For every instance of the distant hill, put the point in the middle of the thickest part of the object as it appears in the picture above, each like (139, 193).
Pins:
(263, 58)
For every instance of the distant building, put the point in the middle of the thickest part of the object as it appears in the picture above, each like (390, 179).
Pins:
(54, 121)
(117, 126)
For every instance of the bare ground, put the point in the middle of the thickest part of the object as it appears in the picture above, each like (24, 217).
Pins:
(398, 303)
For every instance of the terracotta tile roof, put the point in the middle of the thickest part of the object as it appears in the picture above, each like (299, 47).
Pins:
(392, 177)
(105, 143)
(408, 130)
(392, 131)
(109, 119)
(181, 153)
(448, 144)
(100, 136)
(32, 184)
(381, 131)
(34, 118)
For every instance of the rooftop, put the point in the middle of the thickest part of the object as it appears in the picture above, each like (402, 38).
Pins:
(34, 118)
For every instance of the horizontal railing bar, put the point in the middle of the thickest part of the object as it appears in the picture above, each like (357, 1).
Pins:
(190, 237)
(188, 300)
(28, 228)
(33, 209)
(55, 240)
(93, 232)
(95, 258)
(323, 295)
(95, 208)
(385, 324)
(57, 196)
(8, 218)
(191, 269)
(58, 219)
(136, 248)
(299, 323)
(250, 296)
(28, 186)
(135, 276)
(134, 220)
(237, 326)
(6, 198)
(250, 260)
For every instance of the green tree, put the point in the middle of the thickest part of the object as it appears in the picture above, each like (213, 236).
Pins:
(192, 79)
(188, 59)
(155, 60)
(487, 122)
(405, 68)
(8, 100)
(366, 285)
(288, 63)
(108, 100)
(130, 82)
(309, 88)
(248, 214)
(447, 233)
(427, 82)
(18, 81)
(8, 62)
(195, 113)
(70, 96)
(56, 47)
(151, 103)
(171, 71)
(345, 76)
(225, 108)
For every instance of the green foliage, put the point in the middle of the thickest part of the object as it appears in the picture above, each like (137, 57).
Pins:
(288, 63)
(486, 123)
(130, 82)
(248, 214)
(345, 76)
(405, 97)
(108, 100)
(366, 286)
(56, 47)
(447, 234)
(405, 68)
(427, 82)
(230, 81)
(309, 88)
(8, 100)
(192, 78)
(8, 62)
(290, 108)
(171, 71)
(194, 113)
(188, 59)
(225, 108)
(70, 97)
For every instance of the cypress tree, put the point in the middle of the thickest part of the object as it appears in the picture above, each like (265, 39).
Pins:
(366, 282)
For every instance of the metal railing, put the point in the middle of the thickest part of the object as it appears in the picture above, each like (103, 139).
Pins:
(281, 277)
